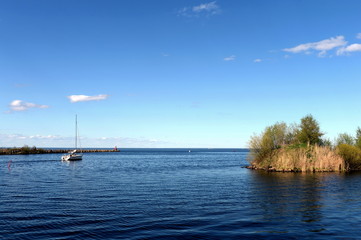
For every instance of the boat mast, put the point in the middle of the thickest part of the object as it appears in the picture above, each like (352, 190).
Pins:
(76, 130)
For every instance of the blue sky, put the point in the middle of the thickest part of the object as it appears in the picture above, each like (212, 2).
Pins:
(175, 73)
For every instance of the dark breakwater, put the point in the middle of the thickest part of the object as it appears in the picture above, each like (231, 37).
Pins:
(25, 151)
(172, 194)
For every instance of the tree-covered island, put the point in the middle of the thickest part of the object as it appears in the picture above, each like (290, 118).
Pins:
(302, 148)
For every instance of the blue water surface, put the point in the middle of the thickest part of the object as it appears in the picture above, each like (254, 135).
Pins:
(172, 194)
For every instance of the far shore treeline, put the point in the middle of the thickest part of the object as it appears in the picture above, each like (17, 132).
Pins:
(22, 150)
(303, 148)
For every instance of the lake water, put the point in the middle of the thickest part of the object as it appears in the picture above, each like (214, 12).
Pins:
(173, 194)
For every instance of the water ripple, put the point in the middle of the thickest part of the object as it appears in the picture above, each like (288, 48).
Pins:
(172, 195)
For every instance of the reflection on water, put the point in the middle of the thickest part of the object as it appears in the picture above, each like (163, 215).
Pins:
(289, 195)
(172, 195)
(307, 201)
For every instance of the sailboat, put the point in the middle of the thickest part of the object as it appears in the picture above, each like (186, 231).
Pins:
(74, 155)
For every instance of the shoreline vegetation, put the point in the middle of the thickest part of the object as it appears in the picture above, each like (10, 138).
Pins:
(25, 150)
(302, 148)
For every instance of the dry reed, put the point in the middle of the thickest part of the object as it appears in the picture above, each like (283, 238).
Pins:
(310, 159)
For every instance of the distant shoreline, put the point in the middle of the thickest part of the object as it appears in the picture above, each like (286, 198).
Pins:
(34, 150)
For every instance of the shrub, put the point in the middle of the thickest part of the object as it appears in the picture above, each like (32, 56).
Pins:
(351, 155)
(263, 146)
(25, 149)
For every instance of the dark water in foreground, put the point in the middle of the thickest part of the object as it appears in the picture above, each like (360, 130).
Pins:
(172, 195)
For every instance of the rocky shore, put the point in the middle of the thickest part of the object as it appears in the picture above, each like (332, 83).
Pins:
(295, 170)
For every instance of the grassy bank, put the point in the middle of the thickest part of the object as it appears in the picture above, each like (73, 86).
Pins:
(302, 148)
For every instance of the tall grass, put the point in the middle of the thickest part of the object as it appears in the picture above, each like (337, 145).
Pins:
(310, 159)
(306, 159)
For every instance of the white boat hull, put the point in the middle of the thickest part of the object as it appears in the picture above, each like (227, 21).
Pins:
(72, 157)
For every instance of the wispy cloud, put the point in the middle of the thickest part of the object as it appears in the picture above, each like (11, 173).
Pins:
(85, 98)
(206, 9)
(37, 136)
(337, 45)
(321, 47)
(129, 142)
(10, 140)
(258, 60)
(210, 7)
(230, 58)
(356, 47)
(19, 105)
(21, 85)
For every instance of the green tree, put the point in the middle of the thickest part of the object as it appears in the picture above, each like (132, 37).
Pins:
(358, 137)
(309, 131)
(277, 134)
(326, 142)
(345, 138)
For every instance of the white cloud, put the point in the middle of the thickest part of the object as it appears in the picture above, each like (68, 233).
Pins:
(206, 9)
(84, 98)
(358, 36)
(353, 47)
(356, 47)
(211, 7)
(37, 136)
(230, 58)
(11, 140)
(258, 60)
(19, 105)
(322, 46)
